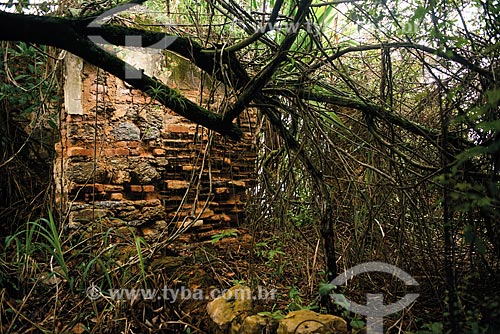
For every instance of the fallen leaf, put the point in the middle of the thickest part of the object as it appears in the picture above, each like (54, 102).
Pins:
(79, 328)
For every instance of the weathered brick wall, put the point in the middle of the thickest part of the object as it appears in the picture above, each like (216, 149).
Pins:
(126, 158)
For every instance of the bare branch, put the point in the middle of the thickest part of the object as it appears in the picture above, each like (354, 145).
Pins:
(259, 33)
(259, 81)
(448, 54)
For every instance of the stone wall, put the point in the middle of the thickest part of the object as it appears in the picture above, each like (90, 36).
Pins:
(127, 159)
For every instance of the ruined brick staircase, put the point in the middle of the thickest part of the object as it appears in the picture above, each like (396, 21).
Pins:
(126, 158)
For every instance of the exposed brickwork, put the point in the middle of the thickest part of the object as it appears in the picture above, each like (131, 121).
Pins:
(130, 158)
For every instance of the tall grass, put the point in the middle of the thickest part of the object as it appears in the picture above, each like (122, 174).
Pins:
(40, 237)
(48, 270)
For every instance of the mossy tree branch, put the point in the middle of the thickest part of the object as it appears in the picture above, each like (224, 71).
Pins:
(70, 34)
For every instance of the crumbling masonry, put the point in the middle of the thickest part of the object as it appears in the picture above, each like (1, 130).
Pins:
(125, 158)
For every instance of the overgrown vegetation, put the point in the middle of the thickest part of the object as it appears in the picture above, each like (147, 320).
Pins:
(378, 141)
(30, 101)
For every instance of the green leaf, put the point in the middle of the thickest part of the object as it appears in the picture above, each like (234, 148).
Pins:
(357, 323)
(487, 126)
(325, 288)
(419, 12)
(484, 202)
(481, 246)
(22, 76)
(493, 96)
(436, 327)
(52, 124)
(469, 233)
(476, 151)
